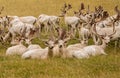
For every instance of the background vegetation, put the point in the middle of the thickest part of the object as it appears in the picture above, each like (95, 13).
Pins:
(95, 67)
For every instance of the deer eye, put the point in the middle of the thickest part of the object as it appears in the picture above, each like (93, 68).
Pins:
(111, 37)
(46, 43)
(65, 42)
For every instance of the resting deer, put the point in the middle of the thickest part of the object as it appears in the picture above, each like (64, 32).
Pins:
(94, 50)
(41, 53)
(67, 51)
(107, 31)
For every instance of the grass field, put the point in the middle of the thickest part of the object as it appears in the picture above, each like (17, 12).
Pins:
(95, 67)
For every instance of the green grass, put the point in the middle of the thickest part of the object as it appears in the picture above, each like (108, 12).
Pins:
(94, 67)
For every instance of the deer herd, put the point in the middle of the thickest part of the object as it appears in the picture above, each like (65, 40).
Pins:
(84, 25)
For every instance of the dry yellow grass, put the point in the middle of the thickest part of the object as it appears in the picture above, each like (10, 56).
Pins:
(51, 7)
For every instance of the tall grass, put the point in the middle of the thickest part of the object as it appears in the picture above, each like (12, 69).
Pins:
(95, 67)
(51, 7)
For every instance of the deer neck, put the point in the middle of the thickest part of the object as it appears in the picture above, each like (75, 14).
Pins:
(65, 16)
(20, 43)
(50, 52)
(103, 45)
(63, 51)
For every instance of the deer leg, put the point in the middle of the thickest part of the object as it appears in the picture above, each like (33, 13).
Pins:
(13, 38)
(6, 36)
(118, 42)
(46, 28)
(54, 26)
(78, 30)
(75, 31)
(69, 28)
(41, 27)
(79, 35)
(72, 31)
(115, 49)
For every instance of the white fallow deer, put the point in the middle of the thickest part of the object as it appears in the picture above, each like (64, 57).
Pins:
(107, 22)
(67, 51)
(85, 33)
(18, 49)
(84, 16)
(72, 22)
(48, 22)
(107, 31)
(25, 19)
(93, 50)
(20, 28)
(41, 53)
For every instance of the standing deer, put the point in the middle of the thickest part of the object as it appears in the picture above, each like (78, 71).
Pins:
(71, 21)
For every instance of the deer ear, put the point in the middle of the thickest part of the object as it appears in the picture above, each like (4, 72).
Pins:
(69, 5)
(111, 37)
(57, 28)
(65, 41)
(1, 38)
(64, 11)
(46, 43)
(65, 5)
(102, 36)
(75, 12)
(6, 16)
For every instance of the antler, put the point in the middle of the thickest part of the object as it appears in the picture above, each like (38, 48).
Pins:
(82, 6)
(69, 7)
(95, 31)
(64, 7)
(2, 9)
(118, 12)
(62, 33)
(114, 31)
(105, 14)
(88, 11)
(116, 9)
(96, 9)
(100, 8)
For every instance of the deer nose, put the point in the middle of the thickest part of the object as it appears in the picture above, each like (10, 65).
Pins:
(51, 47)
(60, 46)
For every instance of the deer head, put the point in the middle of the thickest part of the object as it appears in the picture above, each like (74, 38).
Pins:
(106, 38)
(63, 38)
